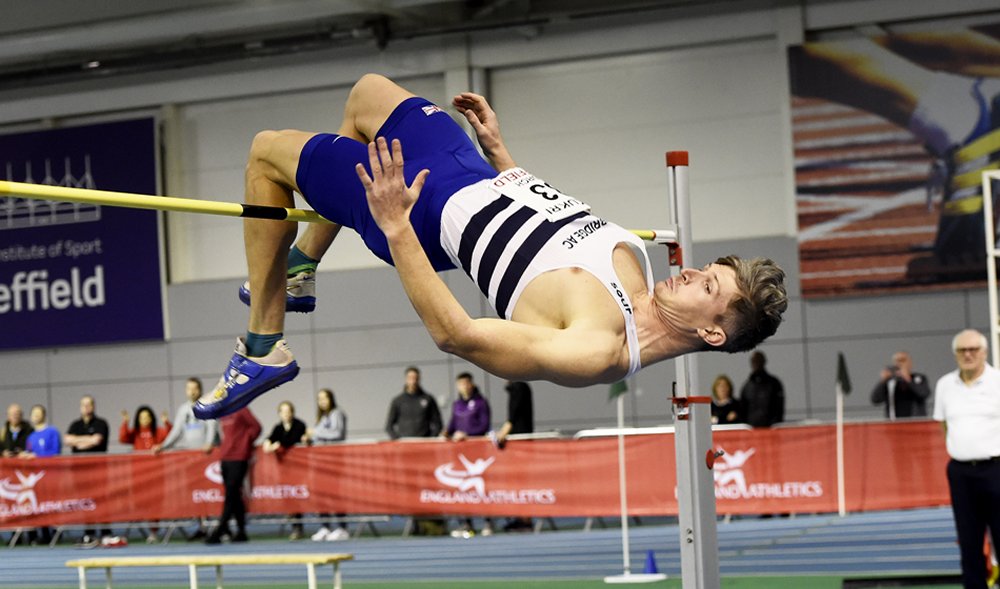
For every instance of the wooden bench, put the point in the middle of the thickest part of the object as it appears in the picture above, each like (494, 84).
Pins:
(193, 562)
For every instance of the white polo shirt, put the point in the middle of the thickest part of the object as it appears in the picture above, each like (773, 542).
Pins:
(972, 412)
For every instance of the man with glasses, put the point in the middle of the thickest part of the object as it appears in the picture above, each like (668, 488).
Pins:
(967, 401)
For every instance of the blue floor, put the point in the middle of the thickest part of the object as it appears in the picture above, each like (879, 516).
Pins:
(903, 542)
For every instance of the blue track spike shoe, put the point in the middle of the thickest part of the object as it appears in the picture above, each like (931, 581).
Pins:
(245, 379)
(300, 293)
(959, 252)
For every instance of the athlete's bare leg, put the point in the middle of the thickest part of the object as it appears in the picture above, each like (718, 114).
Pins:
(270, 180)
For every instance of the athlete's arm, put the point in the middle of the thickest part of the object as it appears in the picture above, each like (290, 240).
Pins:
(484, 121)
(514, 351)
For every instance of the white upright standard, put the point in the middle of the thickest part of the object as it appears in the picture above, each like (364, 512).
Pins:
(692, 422)
(991, 261)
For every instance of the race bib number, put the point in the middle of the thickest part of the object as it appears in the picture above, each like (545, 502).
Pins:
(535, 193)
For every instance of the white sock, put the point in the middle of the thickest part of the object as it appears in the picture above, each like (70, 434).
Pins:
(947, 112)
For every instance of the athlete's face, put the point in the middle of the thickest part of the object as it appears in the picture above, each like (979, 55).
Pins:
(697, 297)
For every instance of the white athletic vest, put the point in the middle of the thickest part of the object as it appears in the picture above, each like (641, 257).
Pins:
(506, 231)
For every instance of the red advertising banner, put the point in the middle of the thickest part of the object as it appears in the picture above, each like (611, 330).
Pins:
(762, 471)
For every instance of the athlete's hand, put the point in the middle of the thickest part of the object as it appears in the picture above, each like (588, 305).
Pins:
(390, 200)
(484, 121)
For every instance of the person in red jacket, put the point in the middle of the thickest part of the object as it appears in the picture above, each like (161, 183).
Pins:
(144, 433)
(239, 431)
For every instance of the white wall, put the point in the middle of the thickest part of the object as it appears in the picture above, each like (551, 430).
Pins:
(598, 128)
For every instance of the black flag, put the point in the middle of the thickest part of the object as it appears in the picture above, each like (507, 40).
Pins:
(843, 379)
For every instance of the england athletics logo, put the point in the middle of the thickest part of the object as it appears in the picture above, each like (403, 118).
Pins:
(215, 494)
(466, 484)
(731, 481)
(464, 480)
(20, 498)
(22, 492)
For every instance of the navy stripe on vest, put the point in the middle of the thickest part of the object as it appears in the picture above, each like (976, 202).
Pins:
(525, 254)
(499, 242)
(474, 230)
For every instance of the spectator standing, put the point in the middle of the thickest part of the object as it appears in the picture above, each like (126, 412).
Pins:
(413, 413)
(89, 434)
(190, 433)
(331, 421)
(904, 393)
(288, 432)
(14, 437)
(967, 401)
(331, 428)
(762, 395)
(470, 416)
(145, 433)
(725, 408)
(239, 431)
(44, 441)
(520, 412)
(520, 420)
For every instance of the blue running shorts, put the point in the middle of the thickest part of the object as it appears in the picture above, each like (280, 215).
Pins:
(430, 139)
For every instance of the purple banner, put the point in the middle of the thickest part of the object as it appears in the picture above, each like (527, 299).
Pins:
(78, 273)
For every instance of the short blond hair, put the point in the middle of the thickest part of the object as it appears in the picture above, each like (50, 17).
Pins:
(754, 313)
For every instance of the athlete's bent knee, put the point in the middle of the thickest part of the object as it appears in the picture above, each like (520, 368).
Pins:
(365, 87)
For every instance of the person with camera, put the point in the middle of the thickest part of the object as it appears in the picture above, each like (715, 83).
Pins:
(903, 392)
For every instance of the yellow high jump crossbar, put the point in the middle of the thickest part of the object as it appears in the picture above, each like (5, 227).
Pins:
(206, 207)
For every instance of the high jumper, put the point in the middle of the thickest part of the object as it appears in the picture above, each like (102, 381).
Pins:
(574, 292)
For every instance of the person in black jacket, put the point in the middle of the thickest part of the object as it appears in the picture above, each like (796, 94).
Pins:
(520, 420)
(520, 411)
(289, 431)
(14, 435)
(762, 395)
(904, 393)
(413, 413)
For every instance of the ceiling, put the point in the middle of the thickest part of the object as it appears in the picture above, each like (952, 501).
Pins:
(51, 41)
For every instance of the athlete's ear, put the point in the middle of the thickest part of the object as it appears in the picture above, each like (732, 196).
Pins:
(713, 335)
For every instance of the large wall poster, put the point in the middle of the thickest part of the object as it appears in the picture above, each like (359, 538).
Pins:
(76, 273)
(891, 135)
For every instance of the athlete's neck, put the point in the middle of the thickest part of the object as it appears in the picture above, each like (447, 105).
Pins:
(660, 336)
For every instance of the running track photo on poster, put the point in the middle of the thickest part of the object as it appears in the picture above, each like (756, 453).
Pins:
(891, 134)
